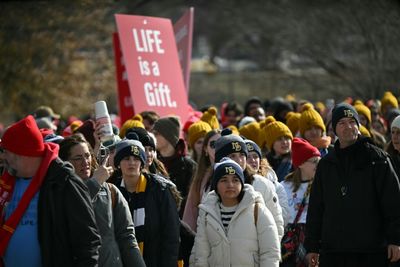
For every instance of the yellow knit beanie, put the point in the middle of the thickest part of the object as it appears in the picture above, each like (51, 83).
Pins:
(364, 131)
(320, 106)
(196, 131)
(363, 110)
(234, 129)
(251, 131)
(273, 130)
(292, 121)
(135, 121)
(210, 116)
(389, 99)
(309, 118)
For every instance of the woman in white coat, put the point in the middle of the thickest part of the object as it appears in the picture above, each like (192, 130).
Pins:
(234, 227)
(233, 146)
(261, 166)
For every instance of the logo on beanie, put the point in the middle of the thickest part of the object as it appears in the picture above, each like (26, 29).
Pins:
(236, 146)
(249, 147)
(348, 113)
(135, 151)
(230, 170)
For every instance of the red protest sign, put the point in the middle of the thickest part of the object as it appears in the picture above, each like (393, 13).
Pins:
(124, 96)
(151, 60)
(183, 29)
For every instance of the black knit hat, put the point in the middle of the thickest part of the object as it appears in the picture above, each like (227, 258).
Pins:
(143, 135)
(128, 147)
(343, 110)
(253, 147)
(169, 128)
(229, 143)
(225, 167)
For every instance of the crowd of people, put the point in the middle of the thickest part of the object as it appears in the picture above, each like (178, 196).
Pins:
(275, 183)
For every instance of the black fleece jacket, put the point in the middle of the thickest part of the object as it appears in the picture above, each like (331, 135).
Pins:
(354, 202)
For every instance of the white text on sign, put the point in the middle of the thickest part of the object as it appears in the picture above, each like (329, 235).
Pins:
(158, 94)
(147, 69)
(147, 41)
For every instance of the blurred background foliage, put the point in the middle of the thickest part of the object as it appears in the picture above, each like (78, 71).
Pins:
(59, 53)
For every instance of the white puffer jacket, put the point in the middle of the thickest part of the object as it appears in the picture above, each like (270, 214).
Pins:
(246, 243)
(271, 200)
(281, 192)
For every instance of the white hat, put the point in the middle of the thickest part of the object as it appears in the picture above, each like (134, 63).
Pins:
(396, 122)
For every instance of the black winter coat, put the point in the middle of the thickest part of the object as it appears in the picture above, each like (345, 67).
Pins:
(68, 234)
(354, 202)
(161, 237)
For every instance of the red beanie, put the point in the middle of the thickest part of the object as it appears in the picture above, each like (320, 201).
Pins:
(302, 151)
(24, 138)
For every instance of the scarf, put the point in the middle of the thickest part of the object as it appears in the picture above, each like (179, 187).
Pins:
(7, 183)
(284, 168)
(139, 200)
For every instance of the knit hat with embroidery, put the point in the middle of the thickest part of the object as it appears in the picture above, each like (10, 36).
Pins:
(169, 128)
(309, 118)
(135, 121)
(24, 138)
(229, 143)
(273, 130)
(253, 147)
(302, 151)
(196, 131)
(225, 167)
(129, 147)
(292, 121)
(210, 116)
(343, 110)
(389, 99)
(363, 110)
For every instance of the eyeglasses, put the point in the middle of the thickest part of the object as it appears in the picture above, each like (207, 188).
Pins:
(212, 144)
(86, 157)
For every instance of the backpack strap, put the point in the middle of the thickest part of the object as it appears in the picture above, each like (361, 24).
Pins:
(113, 195)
